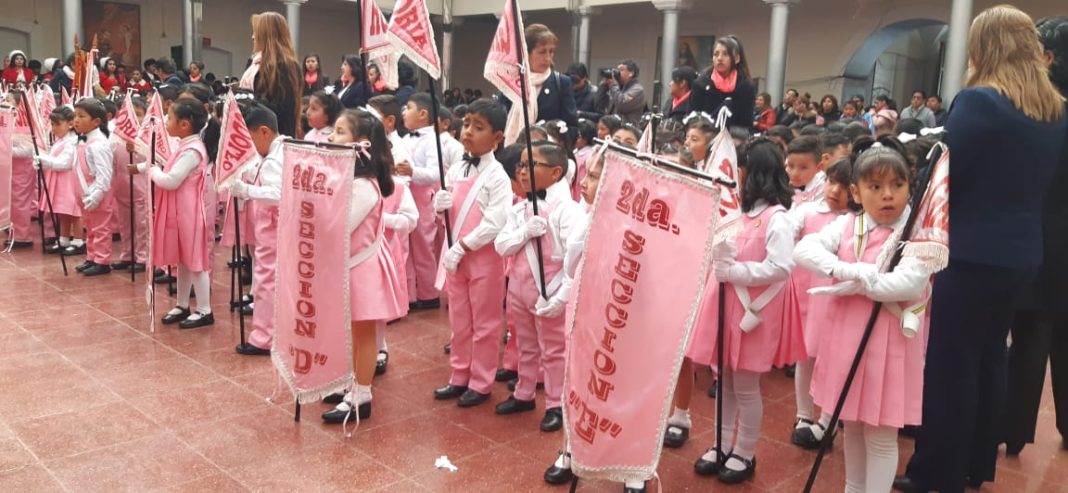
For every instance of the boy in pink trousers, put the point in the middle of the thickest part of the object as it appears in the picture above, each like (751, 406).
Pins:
(478, 196)
(425, 175)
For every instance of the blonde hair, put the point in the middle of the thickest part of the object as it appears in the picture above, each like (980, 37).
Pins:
(1006, 55)
(277, 60)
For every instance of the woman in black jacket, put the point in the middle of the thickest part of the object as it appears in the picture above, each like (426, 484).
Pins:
(274, 73)
(728, 77)
(351, 87)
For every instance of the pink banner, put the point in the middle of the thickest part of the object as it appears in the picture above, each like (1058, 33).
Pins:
(64, 97)
(502, 63)
(646, 261)
(377, 43)
(126, 125)
(235, 144)
(40, 129)
(313, 342)
(412, 34)
(154, 123)
(723, 163)
(7, 129)
(929, 240)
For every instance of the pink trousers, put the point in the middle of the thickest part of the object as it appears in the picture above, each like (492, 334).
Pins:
(98, 231)
(265, 226)
(476, 293)
(23, 198)
(120, 189)
(422, 267)
(542, 343)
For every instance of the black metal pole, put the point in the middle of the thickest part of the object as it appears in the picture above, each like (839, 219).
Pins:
(654, 122)
(296, 413)
(363, 54)
(441, 165)
(530, 150)
(41, 180)
(240, 265)
(133, 227)
(719, 369)
(152, 191)
(825, 444)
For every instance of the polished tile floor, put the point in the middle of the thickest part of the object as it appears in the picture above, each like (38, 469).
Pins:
(90, 400)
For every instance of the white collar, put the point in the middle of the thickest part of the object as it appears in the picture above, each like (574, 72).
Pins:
(758, 208)
(870, 223)
(189, 138)
(817, 179)
(557, 192)
(424, 131)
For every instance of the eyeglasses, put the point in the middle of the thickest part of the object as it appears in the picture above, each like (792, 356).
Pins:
(526, 164)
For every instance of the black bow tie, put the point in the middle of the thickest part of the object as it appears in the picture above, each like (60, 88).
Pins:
(472, 160)
(83, 138)
(413, 134)
(540, 193)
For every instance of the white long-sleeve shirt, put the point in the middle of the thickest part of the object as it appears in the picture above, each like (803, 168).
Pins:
(495, 199)
(184, 165)
(404, 221)
(452, 151)
(779, 261)
(424, 157)
(565, 218)
(818, 252)
(98, 158)
(364, 200)
(269, 172)
(64, 160)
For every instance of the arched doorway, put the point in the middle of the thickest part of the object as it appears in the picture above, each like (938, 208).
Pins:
(896, 60)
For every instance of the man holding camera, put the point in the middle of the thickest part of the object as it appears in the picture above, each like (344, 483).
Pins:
(621, 93)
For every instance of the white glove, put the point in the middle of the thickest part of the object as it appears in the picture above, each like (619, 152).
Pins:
(724, 250)
(847, 288)
(442, 201)
(550, 308)
(38, 163)
(845, 271)
(91, 202)
(393, 221)
(726, 270)
(239, 189)
(535, 227)
(452, 257)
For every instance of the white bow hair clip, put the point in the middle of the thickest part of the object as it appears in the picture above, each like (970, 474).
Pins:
(696, 114)
(561, 126)
(373, 112)
(244, 96)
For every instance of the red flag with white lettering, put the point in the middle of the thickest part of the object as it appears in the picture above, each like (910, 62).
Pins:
(235, 144)
(34, 118)
(411, 33)
(376, 43)
(153, 123)
(929, 240)
(48, 102)
(645, 143)
(502, 63)
(723, 162)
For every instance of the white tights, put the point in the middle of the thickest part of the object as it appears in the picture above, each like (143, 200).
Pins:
(870, 457)
(803, 392)
(201, 282)
(380, 335)
(743, 404)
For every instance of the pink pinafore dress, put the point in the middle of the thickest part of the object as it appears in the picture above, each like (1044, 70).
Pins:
(63, 187)
(888, 388)
(769, 344)
(398, 242)
(812, 309)
(180, 231)
(375, 291)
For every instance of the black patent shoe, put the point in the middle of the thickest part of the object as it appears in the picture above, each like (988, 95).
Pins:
(382, 364)
(904, 484)
(173, 318)
(338, 414)
(553, 420)
(705, 467)
(164, 279)
(84, 265)
(727, 475)
(803, 437)
(514, 406)
(1013, 449)
(250, 350)
(504, 375)
(54, 249)
(121, 265)
(676, 436)
(71, 250)
(449, 391)
(137, 267)
(558, 475)
(335, 398)
(97, 270)
(470, 398)
(197, 320)
(247, 310)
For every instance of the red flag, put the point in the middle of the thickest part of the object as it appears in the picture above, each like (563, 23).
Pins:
(723, 163)
(153, 123)
(235, 144)
(39, 129)
(502, 63)
(645, 143)
(65, 97)
(48, 102)
(411, 33)
(377, 44)
(126, 125)
(929, 240)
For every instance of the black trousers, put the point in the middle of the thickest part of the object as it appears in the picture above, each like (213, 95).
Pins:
(1037, 337)
(965, 376)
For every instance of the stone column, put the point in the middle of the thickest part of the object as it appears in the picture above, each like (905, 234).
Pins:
(72, 25)
(776, 75)
(956, 61)
(669, 44)
(293, 19)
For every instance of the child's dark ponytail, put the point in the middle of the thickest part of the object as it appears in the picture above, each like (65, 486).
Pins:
(379, 164)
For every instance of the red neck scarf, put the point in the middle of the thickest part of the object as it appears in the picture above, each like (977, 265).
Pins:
(310, 78)
(679, 100)
(725, 84)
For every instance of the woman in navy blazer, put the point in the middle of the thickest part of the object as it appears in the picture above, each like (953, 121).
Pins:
(556, 99)
(351, 88)
(1005, 134)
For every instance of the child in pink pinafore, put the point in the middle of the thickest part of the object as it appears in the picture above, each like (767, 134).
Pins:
(375, 291)
(180, 234)
(755, 269)
(810, 218)
(888, 390)
(60, 180)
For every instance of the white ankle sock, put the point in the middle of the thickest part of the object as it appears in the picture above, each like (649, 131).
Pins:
(680, 418)
(77, 242)
(634, 484)
(563, 461)
(64, 241)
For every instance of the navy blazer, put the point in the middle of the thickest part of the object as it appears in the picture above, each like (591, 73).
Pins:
(556, 101)
(1000, 163)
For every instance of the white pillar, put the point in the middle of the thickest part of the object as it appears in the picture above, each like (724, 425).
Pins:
(448, 24)
(669, 45)
(293, 19)
(956, 62)
(780, 18)
(72, 25)
(583, 56)
(192, 14)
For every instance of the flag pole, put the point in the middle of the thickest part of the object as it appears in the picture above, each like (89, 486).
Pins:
(363, 53)
(133, 227)
(877, 306)
(530, 149)
(240, 265)
(152, 188)
(41, 180)
(441, 165)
